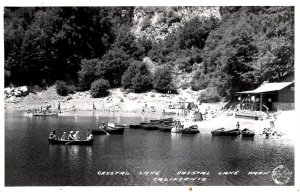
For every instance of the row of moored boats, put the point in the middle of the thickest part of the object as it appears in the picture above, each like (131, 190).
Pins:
(163, 125)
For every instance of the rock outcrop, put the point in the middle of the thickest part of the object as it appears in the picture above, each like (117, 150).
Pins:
(157, 22)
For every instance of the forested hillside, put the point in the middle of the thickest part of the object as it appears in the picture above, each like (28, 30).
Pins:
(226, 48)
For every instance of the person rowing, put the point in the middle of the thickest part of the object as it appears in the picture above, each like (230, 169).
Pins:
(70, 136)
(64, 136)
(89, 136)
(52, 135)
(76, 136)
(103, 127)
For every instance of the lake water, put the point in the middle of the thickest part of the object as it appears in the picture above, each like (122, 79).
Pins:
(138, 157)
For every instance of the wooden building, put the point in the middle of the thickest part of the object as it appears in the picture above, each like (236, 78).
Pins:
(269, 97)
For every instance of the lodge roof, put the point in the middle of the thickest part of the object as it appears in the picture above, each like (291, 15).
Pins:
(268, 87)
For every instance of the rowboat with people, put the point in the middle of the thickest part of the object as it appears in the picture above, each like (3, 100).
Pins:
(71, 142)
(109, 129)
(71, 139)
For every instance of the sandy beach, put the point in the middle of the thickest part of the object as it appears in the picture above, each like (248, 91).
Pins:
(143, 104)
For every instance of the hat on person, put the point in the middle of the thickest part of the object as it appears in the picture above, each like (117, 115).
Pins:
(64, 132)
(77, 131)
(71, 131)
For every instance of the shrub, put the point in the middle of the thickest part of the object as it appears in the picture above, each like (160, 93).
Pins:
(99, 88)
(163, 81)
(209, 95)
(62, 88)
(137, 77)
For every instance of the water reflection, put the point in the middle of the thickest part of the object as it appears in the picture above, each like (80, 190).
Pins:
(70, 153)
(30, 160)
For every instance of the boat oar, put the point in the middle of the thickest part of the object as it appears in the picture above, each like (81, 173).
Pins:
(104, 131)
(69, 142)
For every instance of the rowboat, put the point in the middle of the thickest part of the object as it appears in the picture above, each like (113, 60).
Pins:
(233, 132)
(165, 128)
(44, 114)
(222, 132)
(218, 132)
(162, 120)
(71, 142)
(190, 130)
(109, 130)
(135, 126)
(247, 133)
(150, 126)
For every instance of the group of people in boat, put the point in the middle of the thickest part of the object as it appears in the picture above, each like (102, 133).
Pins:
(73, 136)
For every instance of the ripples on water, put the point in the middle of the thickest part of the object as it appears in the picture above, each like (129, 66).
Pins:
(30, 160)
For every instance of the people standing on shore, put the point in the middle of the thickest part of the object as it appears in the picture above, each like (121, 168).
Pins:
(58, 107)
(238, 125)
(93, 105)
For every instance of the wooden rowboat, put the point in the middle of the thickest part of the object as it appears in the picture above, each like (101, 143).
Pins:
(233, 132)
(222, 132)
(135, 126)
(190, 130)
(71, 142)
(44, 114)
(150, 126)
(218, 132)
(247, 133)
(165, 128)
(109, 130)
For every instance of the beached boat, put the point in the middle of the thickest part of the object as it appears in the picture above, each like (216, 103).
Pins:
(162, 120)
(218, 132)
(45, 114)
(165, 128)
(190, 130)
(222, 132)
(71, 142)
(150, 126)
(109, 130)
(135, 126)
(247, 133)
(233, 132)
(122, 125)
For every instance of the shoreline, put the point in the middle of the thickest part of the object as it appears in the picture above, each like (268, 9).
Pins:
(134, 104)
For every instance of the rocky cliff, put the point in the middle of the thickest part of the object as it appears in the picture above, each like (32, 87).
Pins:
(157, 22)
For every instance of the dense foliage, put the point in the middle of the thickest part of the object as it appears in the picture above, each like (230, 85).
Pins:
(252, 45)
(79, 45)
(137, 77)
(99, 88)
(63, 89)
(46, 44)
(162, 80)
